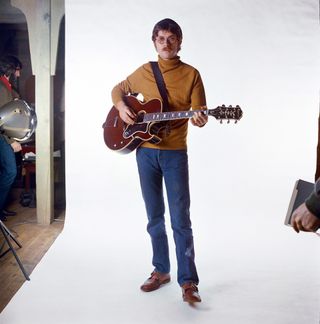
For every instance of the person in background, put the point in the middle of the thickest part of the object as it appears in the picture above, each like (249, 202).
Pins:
(10, 67)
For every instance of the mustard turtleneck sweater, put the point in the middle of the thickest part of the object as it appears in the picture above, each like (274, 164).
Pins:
(185, 91)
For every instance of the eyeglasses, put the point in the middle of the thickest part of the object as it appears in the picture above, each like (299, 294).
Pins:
(171, 39)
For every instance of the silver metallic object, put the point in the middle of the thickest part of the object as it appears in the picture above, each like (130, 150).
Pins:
(17, 120)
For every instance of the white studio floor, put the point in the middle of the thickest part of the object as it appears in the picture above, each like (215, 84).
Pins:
(247, 277)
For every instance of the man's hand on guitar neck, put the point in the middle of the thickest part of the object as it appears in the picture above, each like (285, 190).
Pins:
(199, 119)
(125, 113)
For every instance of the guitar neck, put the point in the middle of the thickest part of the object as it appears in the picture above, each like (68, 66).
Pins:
(171, 115)
(221, 112)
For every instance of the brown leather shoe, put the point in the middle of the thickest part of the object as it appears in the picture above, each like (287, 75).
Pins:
(155, 281)
(190, 293)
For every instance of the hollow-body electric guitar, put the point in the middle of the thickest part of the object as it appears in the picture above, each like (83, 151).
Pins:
(125, 138)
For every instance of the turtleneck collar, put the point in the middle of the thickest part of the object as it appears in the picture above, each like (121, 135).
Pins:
(166, 65)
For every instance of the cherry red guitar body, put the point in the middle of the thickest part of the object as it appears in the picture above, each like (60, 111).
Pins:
(125, 138)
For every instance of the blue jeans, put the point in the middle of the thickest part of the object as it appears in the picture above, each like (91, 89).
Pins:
(172, 166)
(8, 170)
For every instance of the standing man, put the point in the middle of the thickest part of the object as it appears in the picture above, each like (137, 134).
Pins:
(168, 159)
(9, 70)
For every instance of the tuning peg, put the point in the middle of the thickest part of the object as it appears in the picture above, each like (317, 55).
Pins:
(235, 121)
(228, 122)
(230, 106)
(220, 121)
(223, 106)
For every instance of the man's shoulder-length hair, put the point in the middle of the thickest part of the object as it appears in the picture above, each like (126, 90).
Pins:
(9, 64)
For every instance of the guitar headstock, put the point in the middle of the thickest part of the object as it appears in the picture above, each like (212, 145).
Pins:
(226, 113)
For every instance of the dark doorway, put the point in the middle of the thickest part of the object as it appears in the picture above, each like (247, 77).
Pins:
(15, 41)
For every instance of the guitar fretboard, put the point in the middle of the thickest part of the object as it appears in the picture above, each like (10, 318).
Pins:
(170, 115)
(221, 112)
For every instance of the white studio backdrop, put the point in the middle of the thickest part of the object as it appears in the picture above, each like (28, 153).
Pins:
(265, 57)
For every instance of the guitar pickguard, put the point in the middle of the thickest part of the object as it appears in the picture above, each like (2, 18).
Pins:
(136, 130)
